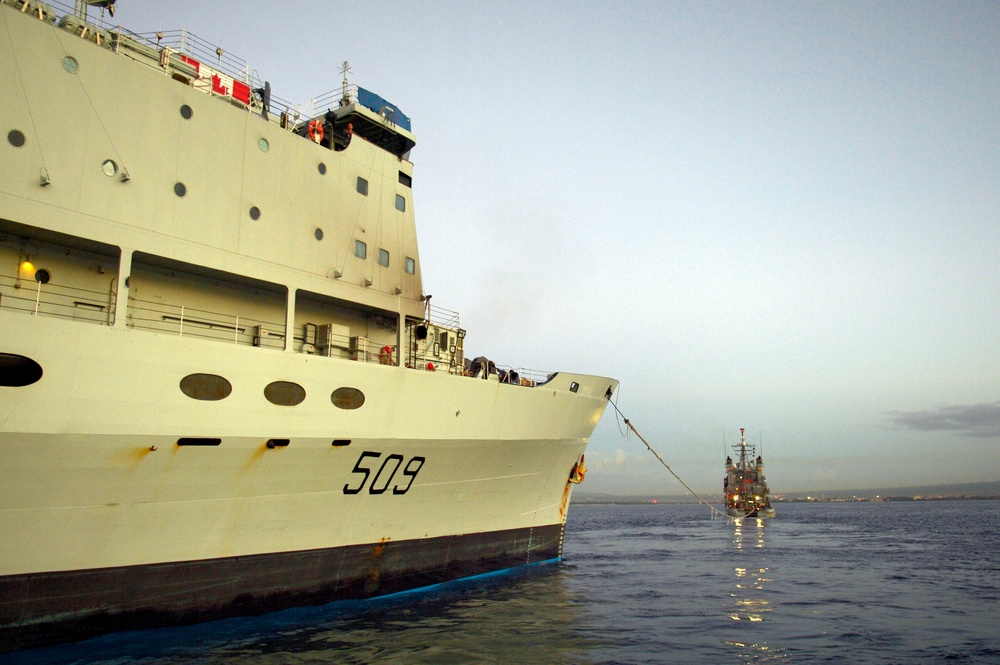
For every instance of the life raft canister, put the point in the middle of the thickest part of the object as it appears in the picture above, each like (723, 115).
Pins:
(315, 131)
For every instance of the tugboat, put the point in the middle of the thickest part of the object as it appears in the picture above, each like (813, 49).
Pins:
(744, 485)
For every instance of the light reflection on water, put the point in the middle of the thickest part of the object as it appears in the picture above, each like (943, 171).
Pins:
(749, 600)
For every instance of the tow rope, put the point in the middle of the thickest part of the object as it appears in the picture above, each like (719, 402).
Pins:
(715, 511)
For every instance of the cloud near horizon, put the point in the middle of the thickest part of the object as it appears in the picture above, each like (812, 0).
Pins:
(598, 461)
(976, 420)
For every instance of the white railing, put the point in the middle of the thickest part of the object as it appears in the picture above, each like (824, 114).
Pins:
(63, 301)
(58, 300)
(158, 47)
(440, 316)
(183, 321)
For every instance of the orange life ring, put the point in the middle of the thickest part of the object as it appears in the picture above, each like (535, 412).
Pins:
(316, 131)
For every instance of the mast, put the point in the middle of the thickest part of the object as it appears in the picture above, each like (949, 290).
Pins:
(743, 450)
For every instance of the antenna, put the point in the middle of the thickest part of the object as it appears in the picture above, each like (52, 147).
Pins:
(346, 99)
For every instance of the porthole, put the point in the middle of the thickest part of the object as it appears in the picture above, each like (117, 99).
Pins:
(321, 168)
(18, 371)
(318, 233)
(278, 443)
(110, 168)
(254, 213)
(284, 393)
(16, 138)
(400, 203)
(180, 189)
(263, 145)
(186, 112)
(206, 387)
(42, 276)
(347, 398)
(70, 64)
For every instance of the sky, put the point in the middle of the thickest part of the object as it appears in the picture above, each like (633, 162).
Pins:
(781, 216)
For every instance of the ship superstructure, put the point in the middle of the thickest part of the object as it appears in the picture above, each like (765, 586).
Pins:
(223, 389)
(745, 487)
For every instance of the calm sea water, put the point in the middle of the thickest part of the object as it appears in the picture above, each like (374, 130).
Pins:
(823, 583)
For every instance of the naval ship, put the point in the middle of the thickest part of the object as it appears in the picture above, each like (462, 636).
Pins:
(744, 486)
(223, 390)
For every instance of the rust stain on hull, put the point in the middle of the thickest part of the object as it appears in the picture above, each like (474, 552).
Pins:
(565, 503)
(133, 456)
(255, 458)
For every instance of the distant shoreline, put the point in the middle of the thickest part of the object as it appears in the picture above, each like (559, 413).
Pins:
(686, 501)
(952, 492)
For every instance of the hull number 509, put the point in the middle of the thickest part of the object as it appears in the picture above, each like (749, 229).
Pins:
(382, 480)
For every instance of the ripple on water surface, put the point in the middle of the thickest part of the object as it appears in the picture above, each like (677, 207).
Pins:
(913, 582)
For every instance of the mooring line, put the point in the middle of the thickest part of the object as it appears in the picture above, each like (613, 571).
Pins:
(667, 466)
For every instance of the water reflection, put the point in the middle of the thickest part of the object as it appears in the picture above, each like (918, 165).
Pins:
(748, 602)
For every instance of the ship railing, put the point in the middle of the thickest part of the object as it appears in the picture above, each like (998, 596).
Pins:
(340, 97)
(59, 300)
(523, 376)
(442, 317)
(296, 115)
(180, 41)
(518, 376)
(187, 321)
(213, 61)
(205, 66)
(431, 363)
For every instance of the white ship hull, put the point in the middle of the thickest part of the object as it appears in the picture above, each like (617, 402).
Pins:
(102, 509)
(193, 422)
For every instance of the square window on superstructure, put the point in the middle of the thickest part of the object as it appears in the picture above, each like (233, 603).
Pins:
(360, 249)
(405, 179)
(400, 203)
(362, 186)
(411, 265)
(383, 258)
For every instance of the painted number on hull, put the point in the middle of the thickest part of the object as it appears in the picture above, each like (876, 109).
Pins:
(382, 479)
